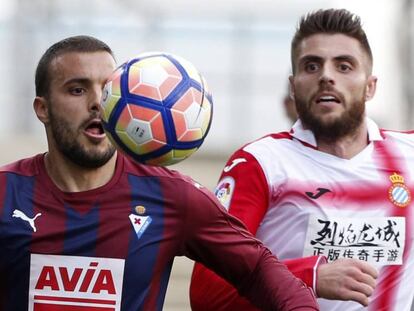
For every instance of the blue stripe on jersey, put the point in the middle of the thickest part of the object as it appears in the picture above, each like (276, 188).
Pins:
(81, 230)
(16, 234)
(143, 252)
(163, 286)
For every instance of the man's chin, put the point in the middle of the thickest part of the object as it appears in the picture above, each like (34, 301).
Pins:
(328, 119)
(90, 158)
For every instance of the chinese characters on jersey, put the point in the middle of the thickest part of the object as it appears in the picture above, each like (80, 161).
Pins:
(377, 240)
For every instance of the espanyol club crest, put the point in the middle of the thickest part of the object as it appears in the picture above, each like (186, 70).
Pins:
(399, 193)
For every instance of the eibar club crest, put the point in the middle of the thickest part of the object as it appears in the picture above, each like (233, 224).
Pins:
(399, 193)
(140, 223)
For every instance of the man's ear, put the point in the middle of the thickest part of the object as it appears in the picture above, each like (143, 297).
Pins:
(41, 109)
(291, 88)
(371, 88)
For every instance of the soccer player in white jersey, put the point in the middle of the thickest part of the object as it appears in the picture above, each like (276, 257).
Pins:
(333, 196)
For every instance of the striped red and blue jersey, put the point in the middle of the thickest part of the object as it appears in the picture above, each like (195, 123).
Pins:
(112, 248)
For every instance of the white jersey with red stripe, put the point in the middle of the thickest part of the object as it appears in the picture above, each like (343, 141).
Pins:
(307, 202)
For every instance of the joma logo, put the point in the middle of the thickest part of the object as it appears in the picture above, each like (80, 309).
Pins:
(80, 279)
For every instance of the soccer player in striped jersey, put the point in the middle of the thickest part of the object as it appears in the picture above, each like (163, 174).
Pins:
(334, 188)
(82, 227)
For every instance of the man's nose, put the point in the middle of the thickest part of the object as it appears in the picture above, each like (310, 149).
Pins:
(95, 100)
(327, 75)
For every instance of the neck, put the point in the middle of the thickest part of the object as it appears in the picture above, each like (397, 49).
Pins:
(348, 146)
(70, 177)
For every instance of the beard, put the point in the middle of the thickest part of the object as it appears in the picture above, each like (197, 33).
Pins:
(66, 139)
(332, 130)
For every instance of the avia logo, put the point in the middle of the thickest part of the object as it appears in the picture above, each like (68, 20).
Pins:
(80, 279)
(319, 193)
(19, 214)
(233, 164)
(74, 281)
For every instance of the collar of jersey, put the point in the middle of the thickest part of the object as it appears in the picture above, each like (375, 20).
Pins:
(81, 195)
(305, 135)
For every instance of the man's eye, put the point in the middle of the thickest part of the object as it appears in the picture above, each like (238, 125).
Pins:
(344, 67)
(311, 67)
(77, 91)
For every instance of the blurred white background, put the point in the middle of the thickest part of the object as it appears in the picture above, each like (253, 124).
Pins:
(240, 46)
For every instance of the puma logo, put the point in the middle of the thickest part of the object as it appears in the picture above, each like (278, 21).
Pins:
(233, 164)
(320, 192)
(19, 214)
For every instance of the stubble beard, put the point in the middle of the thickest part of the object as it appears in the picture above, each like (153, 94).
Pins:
(345, 125)
(66, 139)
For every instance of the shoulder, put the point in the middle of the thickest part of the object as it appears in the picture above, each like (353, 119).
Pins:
(407, 134)
(272, 147)
(169, 179)
(273, 140)
(399, 137)
(178, 191)
(264, 158)
(25, 167)
(142, 170)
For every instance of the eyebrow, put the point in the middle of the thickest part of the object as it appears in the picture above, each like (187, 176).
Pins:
(318, 59)
(347, 58)
(77, 80)
(310, 58)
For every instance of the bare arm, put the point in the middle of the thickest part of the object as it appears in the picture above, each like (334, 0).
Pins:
(346, 279)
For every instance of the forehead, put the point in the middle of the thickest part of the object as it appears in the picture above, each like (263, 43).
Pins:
(91, 65)
(330, 46)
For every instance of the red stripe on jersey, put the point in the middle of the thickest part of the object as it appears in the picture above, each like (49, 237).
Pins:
(281, 135)
(383, 132)
(388, 283)
(351, 194)
(69, 299)
(253, 190)
(50, 239)
(55, 307)
(113, 238)
(2, 192)
(287, 135)
(3, 285)
(169, 190)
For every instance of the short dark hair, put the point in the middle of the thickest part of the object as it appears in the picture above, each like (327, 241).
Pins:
(330, 21)
(71, 44)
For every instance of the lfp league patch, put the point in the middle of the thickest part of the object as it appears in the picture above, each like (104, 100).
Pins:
(224, 191)
(140, 223)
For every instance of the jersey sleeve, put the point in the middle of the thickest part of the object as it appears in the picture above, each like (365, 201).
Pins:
(222, 243)
(244, 191)
(208, 291)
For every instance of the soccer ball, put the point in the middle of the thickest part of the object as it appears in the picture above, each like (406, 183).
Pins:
(157, 108)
